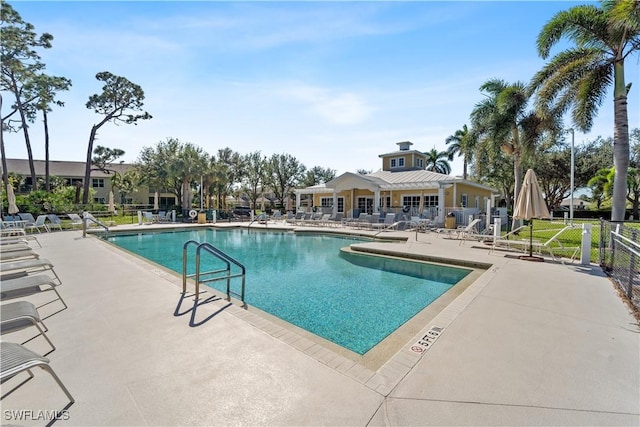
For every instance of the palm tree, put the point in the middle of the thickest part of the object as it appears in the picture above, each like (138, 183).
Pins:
(463, 144)
(504, 124)
(437, 161)
(578, 78)
(189, 166)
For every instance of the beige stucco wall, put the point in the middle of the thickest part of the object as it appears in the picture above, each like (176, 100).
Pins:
(397, 196)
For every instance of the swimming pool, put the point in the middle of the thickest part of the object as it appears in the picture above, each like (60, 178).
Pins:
(351, 299)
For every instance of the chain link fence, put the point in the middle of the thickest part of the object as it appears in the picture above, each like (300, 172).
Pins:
(619, 256)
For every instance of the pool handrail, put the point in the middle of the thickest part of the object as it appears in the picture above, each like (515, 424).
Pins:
(228, 260)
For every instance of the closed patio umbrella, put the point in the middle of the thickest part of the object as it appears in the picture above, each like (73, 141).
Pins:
(530, 205)
(11, 198)
(156, 201)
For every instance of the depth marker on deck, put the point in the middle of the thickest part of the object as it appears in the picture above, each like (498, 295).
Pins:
(427, 340)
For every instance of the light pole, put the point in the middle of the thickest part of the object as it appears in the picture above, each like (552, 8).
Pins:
(572, 174)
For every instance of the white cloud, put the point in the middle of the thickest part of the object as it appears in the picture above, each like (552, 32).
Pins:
(342, 108)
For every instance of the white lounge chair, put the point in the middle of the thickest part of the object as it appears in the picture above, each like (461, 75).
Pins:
(38, 225)
(55, 222)
(10, 254)
(553, 245)
(389, 222)
(76, 220)
(15, 359)
(24, 286)
(147, 218)
(18, 315)
(14, 269)
(26, 216)
(9, 236)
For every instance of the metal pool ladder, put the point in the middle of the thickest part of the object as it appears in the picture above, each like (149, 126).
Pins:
(213, 275)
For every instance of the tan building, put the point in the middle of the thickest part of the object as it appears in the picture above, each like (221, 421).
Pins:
(404, 186)
(73, 173)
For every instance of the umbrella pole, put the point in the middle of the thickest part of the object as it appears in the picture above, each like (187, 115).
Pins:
(531, 237)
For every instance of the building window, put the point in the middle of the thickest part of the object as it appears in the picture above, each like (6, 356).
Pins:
(430, 201)
(401, 162)
(464, 200)
(100, 200)
(393, 163)
(411, 201)
(97, 182)
(365, 204)
(420, 163)
(327, 202)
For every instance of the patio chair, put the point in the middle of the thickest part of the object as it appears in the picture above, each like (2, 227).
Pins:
(164, 216)
(10, 236)
(15, 359)
(25, 286)
(389, 222)
(355, 222)
(147, 218)
(13, 254)
(19, 315)
(38, 225)
(553, 245)
(11, 270)
(76, 220)
(469, 229)
(336, 220)
(56, 222)
(297, 217)
(26, 216)
(372, 220)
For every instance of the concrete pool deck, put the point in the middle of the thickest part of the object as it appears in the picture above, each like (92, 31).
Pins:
(524, 344)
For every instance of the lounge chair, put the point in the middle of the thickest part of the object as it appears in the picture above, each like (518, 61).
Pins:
(297, 217)
(463, 232)
(552, 245)
(313, 220)
(26, 216)
(16, 245)
(277, 216)
(56, 222)
(10, 254)
(15, 269)
(355, 222)
(389, 222)
(24, 286)
(15, 359)
(147, 218)
(164, 216)
(10, 236)
(76, 220)
(336, 220)
(92, 221)
(372, 220)
(38, 225)
(16, 316)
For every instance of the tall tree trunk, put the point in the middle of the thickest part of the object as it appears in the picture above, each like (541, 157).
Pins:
(5, 173)
(464, 168)
(27, 141)
(47, 183)
(87, 168)
(620, 144)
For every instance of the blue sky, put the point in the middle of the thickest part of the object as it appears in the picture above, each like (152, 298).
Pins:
(333, 83)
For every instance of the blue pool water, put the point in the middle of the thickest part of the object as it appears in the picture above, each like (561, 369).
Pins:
(352, 300)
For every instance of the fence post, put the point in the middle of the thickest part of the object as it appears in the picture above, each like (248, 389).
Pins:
(585, 256)
(632, 266)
